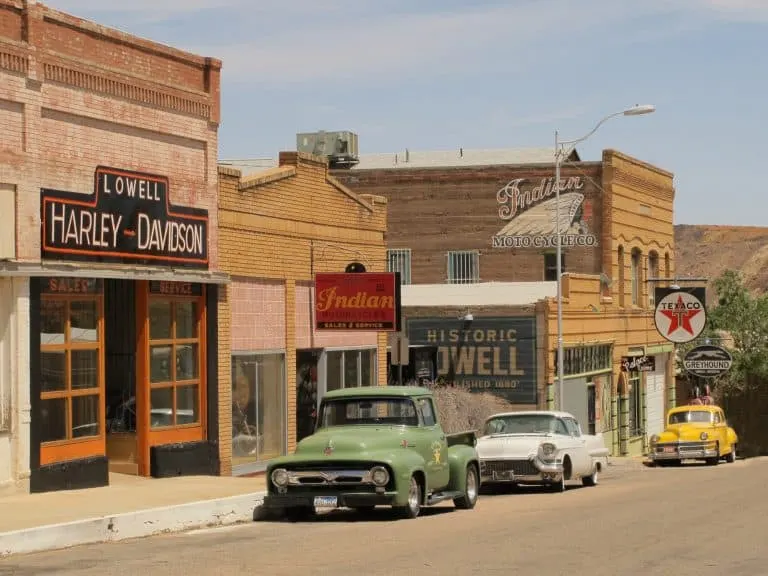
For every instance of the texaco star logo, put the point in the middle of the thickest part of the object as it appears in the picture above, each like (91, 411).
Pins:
(680, 317)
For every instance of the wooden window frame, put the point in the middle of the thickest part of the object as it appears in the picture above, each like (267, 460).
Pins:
(177, 432)
(88, 446)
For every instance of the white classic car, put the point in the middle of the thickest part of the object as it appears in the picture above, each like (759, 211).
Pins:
(539, 447)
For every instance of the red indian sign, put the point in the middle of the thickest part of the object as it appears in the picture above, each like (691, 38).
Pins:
(367, 301)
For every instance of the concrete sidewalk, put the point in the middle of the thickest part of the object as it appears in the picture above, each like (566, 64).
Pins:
(131, 507)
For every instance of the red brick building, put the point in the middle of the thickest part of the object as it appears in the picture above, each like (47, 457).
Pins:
(473, 234)
(108, 282)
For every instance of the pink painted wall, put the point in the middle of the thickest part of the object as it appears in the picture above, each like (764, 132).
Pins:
(323, 339)
(258, 315)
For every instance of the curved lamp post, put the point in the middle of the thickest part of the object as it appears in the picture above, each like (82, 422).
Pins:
(563, 149)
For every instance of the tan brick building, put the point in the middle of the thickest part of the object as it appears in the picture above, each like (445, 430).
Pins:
(108, 253)
(277, 228)
(472, 233)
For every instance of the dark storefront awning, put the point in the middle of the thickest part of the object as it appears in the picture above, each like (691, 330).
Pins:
(12, 268)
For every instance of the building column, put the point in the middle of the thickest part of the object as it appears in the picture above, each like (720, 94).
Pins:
(225, 381)
(615, 447)
(382, 341)
(671, 381)
(644, 409)
(290, 363)
(623, 423)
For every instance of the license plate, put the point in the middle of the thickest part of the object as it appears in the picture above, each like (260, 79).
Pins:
(509, 475)
(669, 449)
(326, 501)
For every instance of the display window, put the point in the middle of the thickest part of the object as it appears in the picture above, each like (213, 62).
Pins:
(71, 370)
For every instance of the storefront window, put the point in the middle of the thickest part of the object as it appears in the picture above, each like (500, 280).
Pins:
(71, 379)
(350, 368)
(258, 407)
(174, 362)
(334, 362)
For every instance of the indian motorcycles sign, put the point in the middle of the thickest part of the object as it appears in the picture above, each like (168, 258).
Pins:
(534, 215)
(129, 219)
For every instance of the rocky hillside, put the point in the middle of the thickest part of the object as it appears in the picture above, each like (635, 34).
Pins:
(708, 251)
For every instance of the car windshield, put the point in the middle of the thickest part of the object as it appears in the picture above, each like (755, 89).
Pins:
(363, 411)
(525, 424)
(690, 416)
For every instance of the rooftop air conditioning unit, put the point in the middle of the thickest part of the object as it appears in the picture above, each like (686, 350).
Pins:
(339, 147)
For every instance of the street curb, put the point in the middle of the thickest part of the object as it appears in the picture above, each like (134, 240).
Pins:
(138, 524)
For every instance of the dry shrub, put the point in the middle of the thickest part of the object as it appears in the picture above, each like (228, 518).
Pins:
(461, 410)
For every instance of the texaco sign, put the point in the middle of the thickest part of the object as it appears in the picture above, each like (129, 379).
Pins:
(680, 316)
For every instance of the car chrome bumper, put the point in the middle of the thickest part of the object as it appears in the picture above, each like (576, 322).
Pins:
(545, 472)
(683, 453)
(344, 500)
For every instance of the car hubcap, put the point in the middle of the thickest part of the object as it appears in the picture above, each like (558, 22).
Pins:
(413, 495)
(471, 485)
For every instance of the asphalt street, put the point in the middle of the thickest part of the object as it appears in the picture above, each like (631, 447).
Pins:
(694, 520)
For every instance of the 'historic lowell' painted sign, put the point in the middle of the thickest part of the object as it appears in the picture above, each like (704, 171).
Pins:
(495, 355)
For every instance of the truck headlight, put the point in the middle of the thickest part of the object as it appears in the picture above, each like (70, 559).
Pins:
(654, 439)
(704, 436)
(547, 449)
(379, 475)
(279, 477)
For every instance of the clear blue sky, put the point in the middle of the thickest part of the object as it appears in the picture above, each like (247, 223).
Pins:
(434, 74)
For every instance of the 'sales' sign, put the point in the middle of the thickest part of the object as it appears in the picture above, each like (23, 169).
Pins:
(129, 219)
(365, 301)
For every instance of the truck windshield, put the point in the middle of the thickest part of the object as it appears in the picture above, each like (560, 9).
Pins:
(701, 416)
(525, 424)
(362, 411)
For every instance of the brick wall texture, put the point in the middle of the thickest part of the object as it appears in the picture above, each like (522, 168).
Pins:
(436, 210)
(280, 227)
(75, 95)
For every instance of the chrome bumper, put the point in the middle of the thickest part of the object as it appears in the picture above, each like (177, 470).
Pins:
(683, 451)
(544, 472)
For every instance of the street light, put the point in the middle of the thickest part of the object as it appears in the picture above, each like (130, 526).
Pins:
(561, 154)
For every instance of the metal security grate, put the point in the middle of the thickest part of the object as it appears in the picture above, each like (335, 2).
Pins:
(464, 267)
(399, 260)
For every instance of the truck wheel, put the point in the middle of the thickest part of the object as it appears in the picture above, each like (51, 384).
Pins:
(731, 458)
(468, 500)
(415, 500)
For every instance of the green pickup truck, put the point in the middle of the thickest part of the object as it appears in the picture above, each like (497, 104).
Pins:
(375, 446)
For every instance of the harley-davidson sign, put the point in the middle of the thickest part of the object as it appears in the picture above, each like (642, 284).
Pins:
(535, 215)
(363, 301)
(128, 219)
